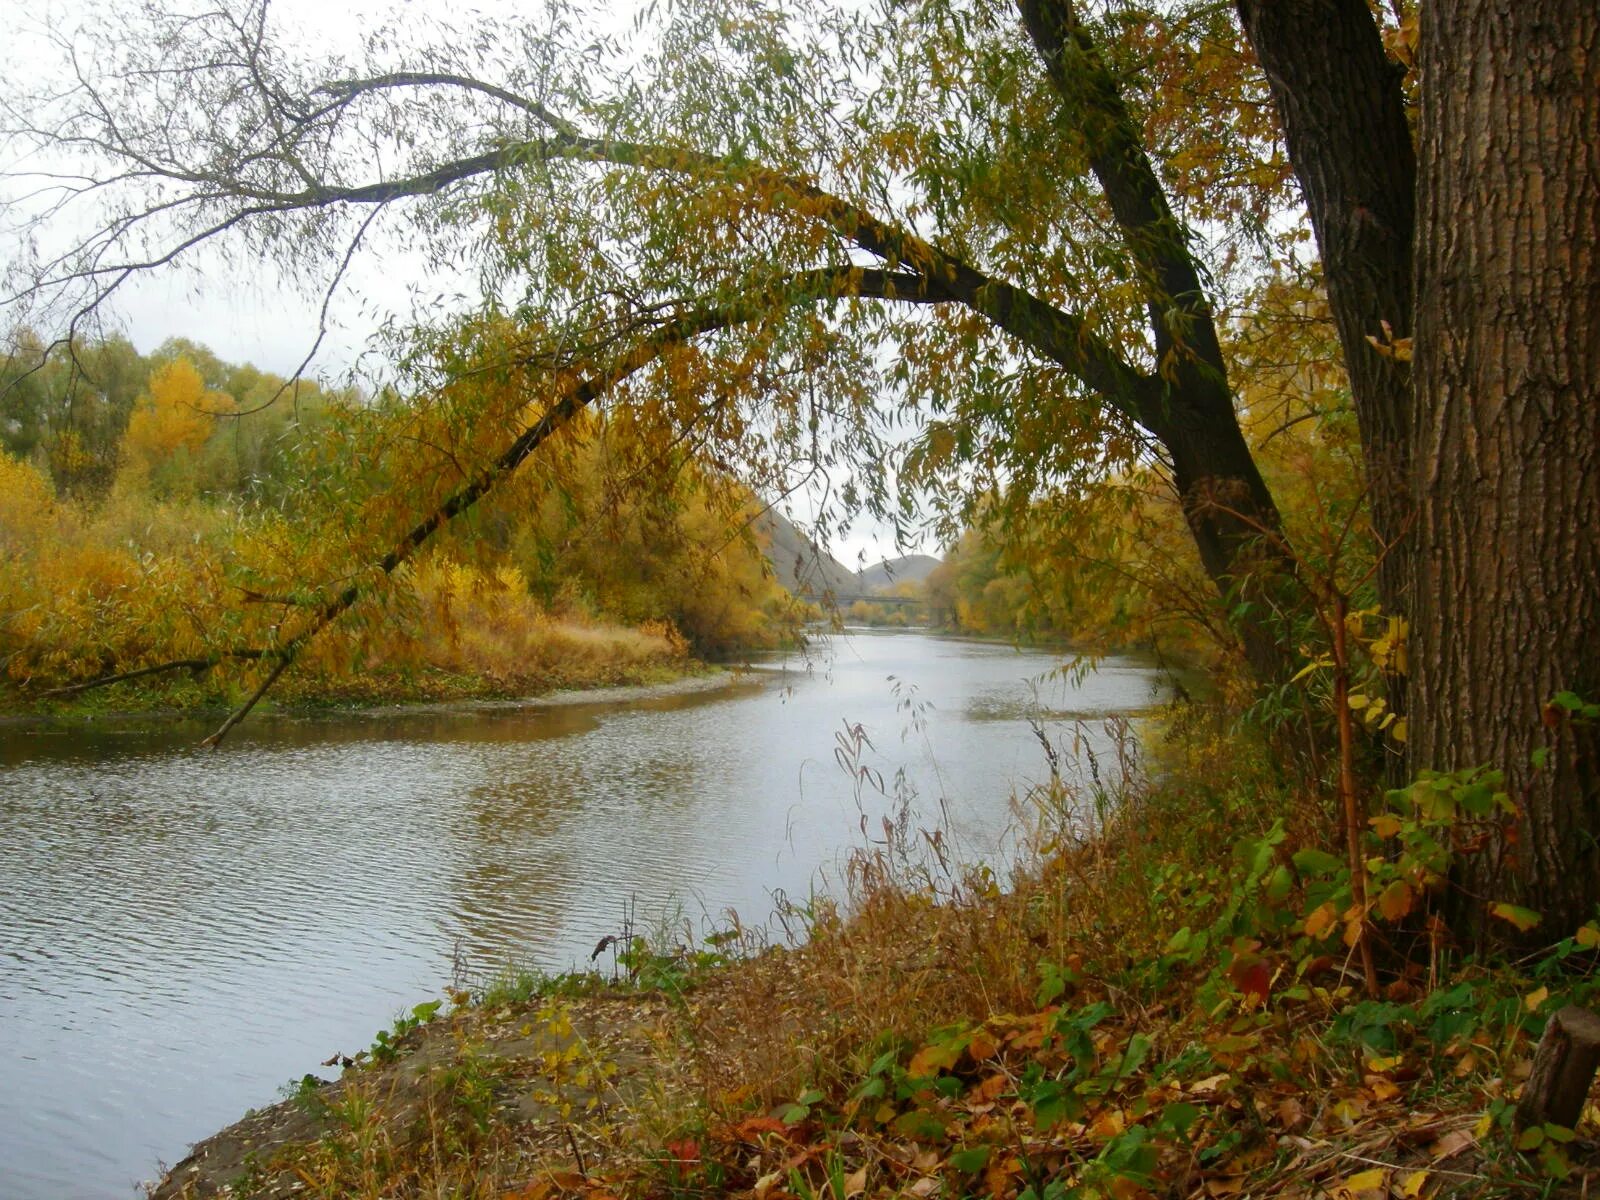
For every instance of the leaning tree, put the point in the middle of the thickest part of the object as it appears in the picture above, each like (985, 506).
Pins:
(1042, 209)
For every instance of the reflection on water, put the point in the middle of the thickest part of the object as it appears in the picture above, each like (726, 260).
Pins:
(181, 932)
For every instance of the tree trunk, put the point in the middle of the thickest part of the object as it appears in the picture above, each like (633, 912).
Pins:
(1506, 578)
(1236, 525)
(1344, 120)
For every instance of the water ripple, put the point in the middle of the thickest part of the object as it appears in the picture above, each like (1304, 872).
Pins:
(180, 933)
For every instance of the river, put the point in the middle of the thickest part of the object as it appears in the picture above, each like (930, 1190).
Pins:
(182, 932)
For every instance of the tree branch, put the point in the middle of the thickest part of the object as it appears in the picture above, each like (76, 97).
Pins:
(805, 287)
(196, 666)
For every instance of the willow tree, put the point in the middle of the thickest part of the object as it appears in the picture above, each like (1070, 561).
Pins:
(787, 232)
(727, 221)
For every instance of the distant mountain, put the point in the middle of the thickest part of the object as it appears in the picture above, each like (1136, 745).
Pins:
(810, 571)
(908, 568)
(800, 564)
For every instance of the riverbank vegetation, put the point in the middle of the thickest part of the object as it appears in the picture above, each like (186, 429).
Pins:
(150, 508)
(1164, 999)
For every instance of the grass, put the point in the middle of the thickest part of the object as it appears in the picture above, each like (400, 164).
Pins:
(1150, 1006)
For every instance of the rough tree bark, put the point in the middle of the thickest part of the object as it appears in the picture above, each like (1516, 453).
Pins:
(1506, 432)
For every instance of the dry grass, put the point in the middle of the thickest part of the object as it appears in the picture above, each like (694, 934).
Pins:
(937, 1035)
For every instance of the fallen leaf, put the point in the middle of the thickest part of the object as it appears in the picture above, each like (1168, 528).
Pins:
(1108, 1125)
(1362, 1183)
(1253, 977)
(983, 1046)
(1451, 1144)
(856, 1182)
(1411, 1187)
(930, 1060)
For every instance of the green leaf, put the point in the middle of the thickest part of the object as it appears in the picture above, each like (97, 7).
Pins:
(1133, 1057)
(1279, 884)
(1316, 862)
(1523, 918)
(971, 1160)
(1177, 1117)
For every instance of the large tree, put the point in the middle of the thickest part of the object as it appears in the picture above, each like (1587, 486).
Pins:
(1507, 433)
(1004, 185)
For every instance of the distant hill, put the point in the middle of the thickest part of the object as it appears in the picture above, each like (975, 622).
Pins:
(800, 564)
(808, 570)
(908, 568)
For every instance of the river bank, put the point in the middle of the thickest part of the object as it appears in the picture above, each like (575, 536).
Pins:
(1089, 1031)
(188, 930)
(689, 677)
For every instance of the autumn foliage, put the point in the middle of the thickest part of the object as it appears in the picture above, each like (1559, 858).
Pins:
(216, 520)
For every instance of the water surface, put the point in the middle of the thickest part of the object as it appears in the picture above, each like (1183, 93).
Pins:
(183, 931)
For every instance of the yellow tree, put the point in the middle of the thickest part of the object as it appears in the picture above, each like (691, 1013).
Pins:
(170, 422)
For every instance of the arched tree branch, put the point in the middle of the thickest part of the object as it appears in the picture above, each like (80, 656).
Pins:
(577, 393)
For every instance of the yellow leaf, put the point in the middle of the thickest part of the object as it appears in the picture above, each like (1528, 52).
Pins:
(932, 1059)
(1321, 920)
(1398, 730)
(1352, 929)
(1385, 825)
(1588, 935)
(983, 1046)
(1413, 1184)
(1208, 1085)
(1362, 1183)
(1357, 701)
(1535, 998)
(1108, 1125)
(1523, 918)
(1314, 665)
(1394, 901)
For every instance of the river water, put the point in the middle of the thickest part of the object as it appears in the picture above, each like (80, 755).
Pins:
(182, 932)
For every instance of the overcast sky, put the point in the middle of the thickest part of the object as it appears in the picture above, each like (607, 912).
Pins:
(250, 316)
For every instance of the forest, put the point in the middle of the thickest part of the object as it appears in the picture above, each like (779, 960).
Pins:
(1261, 336)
